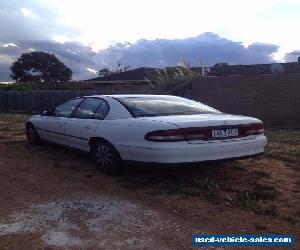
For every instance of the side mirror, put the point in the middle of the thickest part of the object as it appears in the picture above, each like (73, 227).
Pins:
(47, 113)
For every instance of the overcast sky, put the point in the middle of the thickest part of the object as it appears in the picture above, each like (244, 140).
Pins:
(90, 34)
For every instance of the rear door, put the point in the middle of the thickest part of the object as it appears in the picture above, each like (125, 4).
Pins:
(52, 128)
(84, 121)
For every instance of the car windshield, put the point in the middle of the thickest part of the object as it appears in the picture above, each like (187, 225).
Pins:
(164, 106)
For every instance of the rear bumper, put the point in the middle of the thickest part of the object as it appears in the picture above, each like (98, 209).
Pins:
(185, 164)
(190, 153)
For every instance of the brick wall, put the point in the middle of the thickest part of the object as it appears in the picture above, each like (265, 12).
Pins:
(273, 98)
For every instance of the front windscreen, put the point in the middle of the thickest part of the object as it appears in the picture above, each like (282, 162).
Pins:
(164, 106)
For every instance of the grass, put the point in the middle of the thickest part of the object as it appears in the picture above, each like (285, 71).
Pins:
(12, 128)
(284, 144)
(170, 181)
(236, 184)
(250, 199)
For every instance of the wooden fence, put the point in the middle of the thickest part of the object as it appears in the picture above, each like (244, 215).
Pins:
(44, 99)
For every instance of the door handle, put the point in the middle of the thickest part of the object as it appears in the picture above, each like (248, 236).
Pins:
(87, 127)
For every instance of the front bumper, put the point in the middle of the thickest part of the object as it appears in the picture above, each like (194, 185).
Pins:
(195, 152)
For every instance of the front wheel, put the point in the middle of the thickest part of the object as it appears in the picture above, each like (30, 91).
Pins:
(32, 135)
(107, 158)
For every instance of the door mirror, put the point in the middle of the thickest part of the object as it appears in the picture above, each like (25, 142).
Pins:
(47, 113)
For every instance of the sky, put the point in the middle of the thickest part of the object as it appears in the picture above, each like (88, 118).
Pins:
(91, 34)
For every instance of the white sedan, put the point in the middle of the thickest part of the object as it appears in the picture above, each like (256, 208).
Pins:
(147, 128)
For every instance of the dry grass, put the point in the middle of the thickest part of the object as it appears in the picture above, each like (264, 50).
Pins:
(12, 128)
(259, 185)
(284, 144)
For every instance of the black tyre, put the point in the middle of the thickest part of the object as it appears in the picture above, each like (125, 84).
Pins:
(32, 135)
(106, 157)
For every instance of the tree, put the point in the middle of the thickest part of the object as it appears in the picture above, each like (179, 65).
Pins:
(119, 68)
(40, 67)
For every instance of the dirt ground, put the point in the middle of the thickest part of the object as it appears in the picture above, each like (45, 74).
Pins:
(53, 198)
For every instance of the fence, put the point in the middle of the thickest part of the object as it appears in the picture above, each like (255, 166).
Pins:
(273, 98)
(45, 99)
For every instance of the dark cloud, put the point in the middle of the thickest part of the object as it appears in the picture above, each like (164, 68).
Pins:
(208, 47)
(74, 55)
(292, 56)
(35, 31)
(42, 24)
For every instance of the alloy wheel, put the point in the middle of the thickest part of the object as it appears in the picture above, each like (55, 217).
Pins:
(104, 156)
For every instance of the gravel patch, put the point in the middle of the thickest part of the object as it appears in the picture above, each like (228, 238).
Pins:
(107, 222)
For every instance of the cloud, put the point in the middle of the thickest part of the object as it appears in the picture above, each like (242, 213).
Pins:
(208, 48)
(27, 13)
(75, 55)
(31, 20)
(292, 56)
(91, 70)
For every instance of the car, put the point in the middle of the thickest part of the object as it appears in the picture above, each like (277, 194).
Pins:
(159, 129)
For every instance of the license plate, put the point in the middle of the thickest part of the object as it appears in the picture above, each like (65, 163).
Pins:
(232, 132)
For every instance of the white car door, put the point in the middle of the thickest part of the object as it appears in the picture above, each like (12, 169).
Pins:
(80, 127)
(52, 127)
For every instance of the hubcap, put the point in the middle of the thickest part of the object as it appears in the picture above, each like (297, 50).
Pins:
(104, 156)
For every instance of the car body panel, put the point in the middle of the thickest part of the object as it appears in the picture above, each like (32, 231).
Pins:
(51, 128)
(79, 131)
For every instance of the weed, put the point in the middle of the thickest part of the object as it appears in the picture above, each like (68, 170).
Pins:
(250, 200)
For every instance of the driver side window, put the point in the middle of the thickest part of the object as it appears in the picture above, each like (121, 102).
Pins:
(66, 109)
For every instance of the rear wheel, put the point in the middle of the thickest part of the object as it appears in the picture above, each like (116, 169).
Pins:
(106, 157)
(32, 135)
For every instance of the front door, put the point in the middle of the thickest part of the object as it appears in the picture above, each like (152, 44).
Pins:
(52, 128)
(81, 126)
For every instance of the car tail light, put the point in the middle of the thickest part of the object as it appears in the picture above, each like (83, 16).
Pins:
(203, 133)
(194, 134)
(255, 129)
(170, 135)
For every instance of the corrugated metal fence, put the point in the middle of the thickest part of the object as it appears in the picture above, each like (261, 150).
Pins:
(42, 99)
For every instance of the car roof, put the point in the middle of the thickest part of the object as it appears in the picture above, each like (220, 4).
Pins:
(128, 95)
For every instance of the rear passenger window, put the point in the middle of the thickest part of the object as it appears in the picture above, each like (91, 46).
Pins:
(102, 111)
(87, 108)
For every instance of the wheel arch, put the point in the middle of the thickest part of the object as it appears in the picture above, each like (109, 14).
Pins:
(29, 123)
(95, 139)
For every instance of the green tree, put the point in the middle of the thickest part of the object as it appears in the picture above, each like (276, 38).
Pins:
(39, 67)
